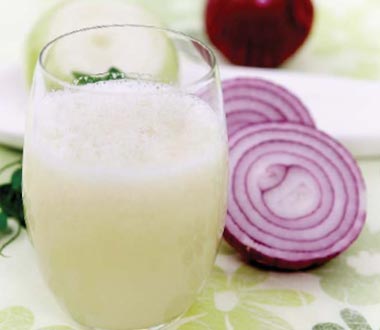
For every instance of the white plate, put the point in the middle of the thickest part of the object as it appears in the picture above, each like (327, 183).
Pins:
(13, 104)
(347, 109)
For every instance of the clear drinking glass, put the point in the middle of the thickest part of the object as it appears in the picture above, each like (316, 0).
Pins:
(125, 173)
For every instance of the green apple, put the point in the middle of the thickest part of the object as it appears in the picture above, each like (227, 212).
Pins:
(181, 15)
(344, 40)
(142, 51)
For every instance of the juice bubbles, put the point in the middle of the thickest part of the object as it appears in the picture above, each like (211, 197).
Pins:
(125, 197)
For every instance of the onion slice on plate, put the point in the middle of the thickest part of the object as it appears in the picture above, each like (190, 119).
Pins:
(297, 197)
(255, 100)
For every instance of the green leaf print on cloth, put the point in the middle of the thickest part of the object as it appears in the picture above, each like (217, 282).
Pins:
(21, 318)
(353, 319)
(328, 326)
(354, 277)
(56, 327)
(16, 318)
(233, 299)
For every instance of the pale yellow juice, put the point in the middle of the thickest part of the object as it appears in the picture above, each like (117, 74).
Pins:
(125, 196)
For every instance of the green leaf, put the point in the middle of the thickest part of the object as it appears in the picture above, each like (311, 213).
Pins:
(11, 238)
(16, 180)
(327, 326)
(257, 318)
(354, 320)
(115, 73)
(3, 222)
(16, 318)
(277, 297)
(11, 203)
(10, 165)
(81, 78)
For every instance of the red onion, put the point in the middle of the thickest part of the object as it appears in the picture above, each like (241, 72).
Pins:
(261, 33)
(297, 197)
(254, 100)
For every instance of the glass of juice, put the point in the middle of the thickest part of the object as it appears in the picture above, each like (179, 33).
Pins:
(125, 173)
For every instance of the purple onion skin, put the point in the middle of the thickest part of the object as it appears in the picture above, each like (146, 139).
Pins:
(284, 105)
(353, 215)
(261, 260)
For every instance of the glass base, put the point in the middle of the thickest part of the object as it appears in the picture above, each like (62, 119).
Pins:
(165, 326)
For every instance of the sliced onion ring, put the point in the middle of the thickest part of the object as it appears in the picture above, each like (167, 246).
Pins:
(297, 197)
(255, 100)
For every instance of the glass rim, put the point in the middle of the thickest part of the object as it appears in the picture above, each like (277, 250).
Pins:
(207, 76)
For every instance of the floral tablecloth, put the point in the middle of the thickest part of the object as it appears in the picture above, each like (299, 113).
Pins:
(343, 294)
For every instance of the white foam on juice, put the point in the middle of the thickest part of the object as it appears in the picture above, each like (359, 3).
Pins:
(122, 124)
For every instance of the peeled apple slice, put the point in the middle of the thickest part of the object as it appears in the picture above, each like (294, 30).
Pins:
(145, 51)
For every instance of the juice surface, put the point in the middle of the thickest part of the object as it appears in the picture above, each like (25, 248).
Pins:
(125, 197)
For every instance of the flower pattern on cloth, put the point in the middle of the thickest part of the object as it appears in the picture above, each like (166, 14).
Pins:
(234, 299)
(21, 318)
(354, 277)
